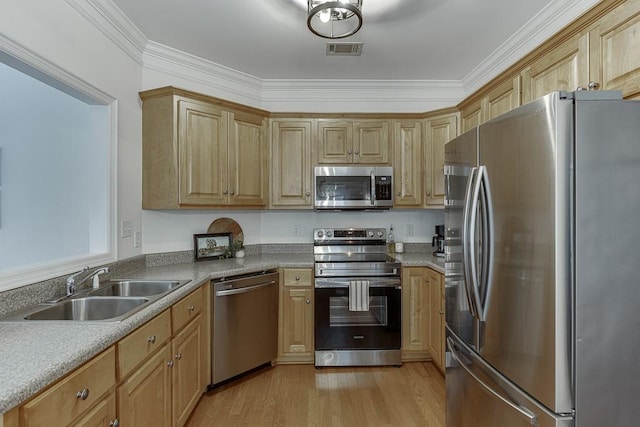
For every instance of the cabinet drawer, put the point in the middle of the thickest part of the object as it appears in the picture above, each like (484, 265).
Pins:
(297, 277)
(66, 400)
(186, 309)
(142, 342)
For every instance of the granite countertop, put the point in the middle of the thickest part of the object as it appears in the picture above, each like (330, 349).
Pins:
(35, 354)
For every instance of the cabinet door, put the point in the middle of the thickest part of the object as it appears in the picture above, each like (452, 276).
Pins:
(335, 141)
(614, 44)
(371, 142)
(102, 415)
(503, 98)
(439, 131)
(407, 159)
(144, 399)
(472, 115)
(436, 317)
(415, 320)
(296, 324)
(564, 68)
(291, 174)
(202, 141)
(187, 371)
(247, 160)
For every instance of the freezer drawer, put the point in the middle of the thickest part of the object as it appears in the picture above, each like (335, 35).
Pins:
(477, 395)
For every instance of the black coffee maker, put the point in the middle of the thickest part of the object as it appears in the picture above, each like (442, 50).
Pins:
(438, 241)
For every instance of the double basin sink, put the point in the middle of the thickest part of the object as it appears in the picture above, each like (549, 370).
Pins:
(111, 302)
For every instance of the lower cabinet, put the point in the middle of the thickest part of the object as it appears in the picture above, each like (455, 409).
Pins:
(295, 323)
(152, 377)
(423, 315)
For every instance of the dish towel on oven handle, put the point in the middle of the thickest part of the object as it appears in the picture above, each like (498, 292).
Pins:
(358, 295)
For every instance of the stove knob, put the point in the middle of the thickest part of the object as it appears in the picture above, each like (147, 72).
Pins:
(380, 233)
(319, 234)
(370, 233)
(328, 233)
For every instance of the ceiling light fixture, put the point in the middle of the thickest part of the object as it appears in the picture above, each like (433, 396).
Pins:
(334, 19)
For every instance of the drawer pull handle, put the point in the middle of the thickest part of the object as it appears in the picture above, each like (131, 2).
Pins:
(170, 363)
(152, 339)
(115, 423)
(83, 395)
(178, 356)
(191, 307)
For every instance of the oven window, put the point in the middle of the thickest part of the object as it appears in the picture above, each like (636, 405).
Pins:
(340, 316)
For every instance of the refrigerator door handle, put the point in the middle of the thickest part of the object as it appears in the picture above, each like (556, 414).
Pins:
(467, 241)
(487, 235)
(470, 241)
(533, 418)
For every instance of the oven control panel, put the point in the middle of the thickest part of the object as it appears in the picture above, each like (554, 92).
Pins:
(321, 235)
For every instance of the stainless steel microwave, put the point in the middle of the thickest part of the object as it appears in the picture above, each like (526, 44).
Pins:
(353, 187)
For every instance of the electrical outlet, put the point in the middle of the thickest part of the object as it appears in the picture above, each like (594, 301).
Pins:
(296, 231)
(409, 230)
(127, 229)
(137, 239)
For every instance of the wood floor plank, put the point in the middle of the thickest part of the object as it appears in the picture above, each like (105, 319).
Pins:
(300, 395)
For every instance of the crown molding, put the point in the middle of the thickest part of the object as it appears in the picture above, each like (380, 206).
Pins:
(551, 19)
(109, 19)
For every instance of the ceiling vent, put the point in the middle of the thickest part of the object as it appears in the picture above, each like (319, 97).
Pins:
(344, 49)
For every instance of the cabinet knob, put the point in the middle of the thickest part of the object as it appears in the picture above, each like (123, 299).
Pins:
(398, 194)
(297, 278)
(225, 192)
(170, 363)
(308, 193)
(83, 394)
(231, 192)
(593, 85)
(428, 193)
(357, 152)
(191, 307)
(348, 151)
(178, 356)
(152, 339)
(114, 423)
(308, 301)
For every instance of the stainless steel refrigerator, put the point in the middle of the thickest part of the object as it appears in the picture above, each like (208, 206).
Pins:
(542, 244)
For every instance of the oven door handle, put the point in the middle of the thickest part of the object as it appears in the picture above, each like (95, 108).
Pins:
(344, 283)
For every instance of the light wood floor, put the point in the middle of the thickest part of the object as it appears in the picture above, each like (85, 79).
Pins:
(300, 395)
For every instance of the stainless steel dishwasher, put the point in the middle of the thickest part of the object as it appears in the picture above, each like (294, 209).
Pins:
(245, 323)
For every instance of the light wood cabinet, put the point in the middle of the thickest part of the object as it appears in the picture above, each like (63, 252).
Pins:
(291, 164)
(407, 162)
(436, 333)
(438, 131)
(187, 370)
(353, 141)
(295, 326)
(415, 311)
(201, 152)
(80, 398)
(471, 114)
(144, 398)
(503, 97)
(614, 46)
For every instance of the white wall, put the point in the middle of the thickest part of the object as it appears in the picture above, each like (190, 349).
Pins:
(166, 231)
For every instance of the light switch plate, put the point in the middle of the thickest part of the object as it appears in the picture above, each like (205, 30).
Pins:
(127, 229)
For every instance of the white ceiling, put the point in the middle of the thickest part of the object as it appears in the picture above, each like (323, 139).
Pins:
(403, 39)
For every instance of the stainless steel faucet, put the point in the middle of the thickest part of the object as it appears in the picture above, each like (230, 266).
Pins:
(72, 286)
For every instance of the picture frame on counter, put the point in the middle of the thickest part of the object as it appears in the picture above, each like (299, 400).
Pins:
(210, 246)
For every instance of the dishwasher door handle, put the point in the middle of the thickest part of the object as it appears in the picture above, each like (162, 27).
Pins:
(243, 290)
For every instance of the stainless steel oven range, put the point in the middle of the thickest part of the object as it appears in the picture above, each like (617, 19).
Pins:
(358, 301)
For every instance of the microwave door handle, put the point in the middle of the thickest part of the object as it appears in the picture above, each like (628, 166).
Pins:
(373, 188)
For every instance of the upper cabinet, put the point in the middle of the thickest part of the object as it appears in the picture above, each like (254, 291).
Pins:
(438, 131)
(353, 141)
(614, 46)
(199, 151)
(565, 67)
(291, 163)
(407, 163)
